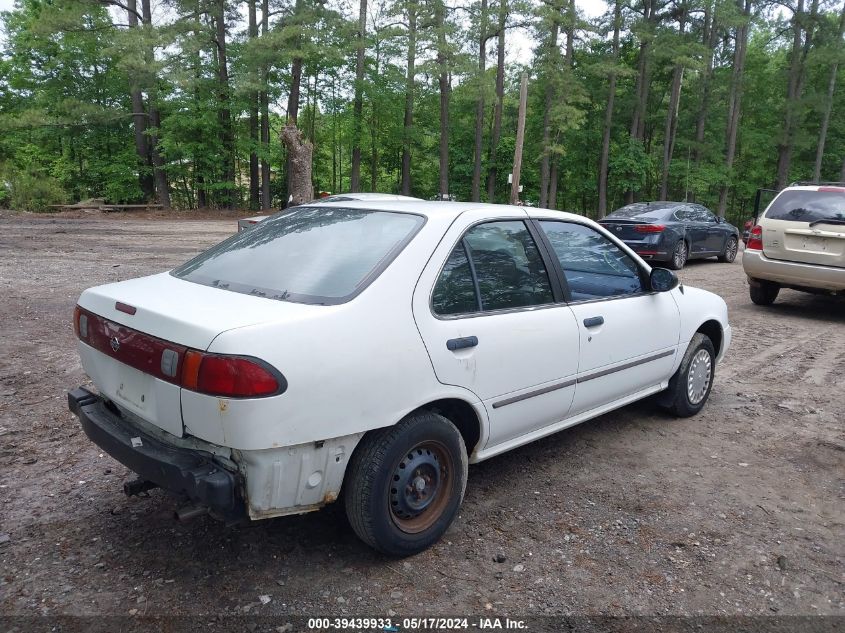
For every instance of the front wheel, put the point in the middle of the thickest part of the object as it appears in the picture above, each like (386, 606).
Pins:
(690, 387)
(679, 255)
(731, 248)
(405, 484)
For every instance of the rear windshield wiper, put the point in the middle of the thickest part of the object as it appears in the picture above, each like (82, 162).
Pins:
(828, 221)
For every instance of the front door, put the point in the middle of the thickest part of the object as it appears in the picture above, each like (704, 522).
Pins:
(487, 314)
(628, 335)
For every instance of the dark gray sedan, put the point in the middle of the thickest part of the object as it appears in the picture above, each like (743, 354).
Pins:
(673, 232)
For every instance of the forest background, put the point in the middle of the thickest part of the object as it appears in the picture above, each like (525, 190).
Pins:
(182, 102)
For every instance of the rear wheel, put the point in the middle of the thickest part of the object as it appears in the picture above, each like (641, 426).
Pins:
(405, 484)
(762, 292)
(731, 248)
(690, 387)
(679, 255)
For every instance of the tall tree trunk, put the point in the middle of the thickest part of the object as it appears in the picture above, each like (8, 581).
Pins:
(139, 119)
(641, 90)
(642, 85)
(553, 178)
(551, 63)
(608, 113)
(710, 39)
(672, 116)
(300, 153)
(160, 176)
(224, 112)
(735, 100)
(828, 106)
(199, 160)
(374, 127)
(445, 90)
(410, 74)
(358, 107)
(334, 137)
(500, 101)
(254, 184)
(293, 96)
(264, 105)
(795, 86)
(479, 103)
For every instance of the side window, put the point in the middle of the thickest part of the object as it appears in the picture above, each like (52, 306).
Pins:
(454, 292)
(497, 264)
(703, 215)
(684, 214)
(595, 268)
(508, 266)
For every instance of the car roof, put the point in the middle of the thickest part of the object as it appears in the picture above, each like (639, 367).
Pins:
(442, 209)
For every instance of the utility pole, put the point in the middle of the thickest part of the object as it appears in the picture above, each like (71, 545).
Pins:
(520, 138)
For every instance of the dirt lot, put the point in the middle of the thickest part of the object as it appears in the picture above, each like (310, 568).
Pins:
(738, 510)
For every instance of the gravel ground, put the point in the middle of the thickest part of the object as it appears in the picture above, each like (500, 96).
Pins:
(738, 510)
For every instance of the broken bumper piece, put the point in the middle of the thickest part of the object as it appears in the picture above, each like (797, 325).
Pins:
(182, 471)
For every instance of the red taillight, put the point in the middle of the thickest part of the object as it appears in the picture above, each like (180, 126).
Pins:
(212, 374)
(833, 189)
(228, 376)
(649, 228)
(755, 239)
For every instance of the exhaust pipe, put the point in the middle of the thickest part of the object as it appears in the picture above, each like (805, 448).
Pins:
(186, 513)
(137, 486)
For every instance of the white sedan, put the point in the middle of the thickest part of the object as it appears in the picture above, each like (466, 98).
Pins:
(245, 223)
(373, 349)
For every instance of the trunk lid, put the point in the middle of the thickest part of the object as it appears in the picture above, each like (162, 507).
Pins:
(184, 312)
(135, 359)
(626, 229)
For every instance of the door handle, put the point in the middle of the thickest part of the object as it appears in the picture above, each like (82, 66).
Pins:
(461, 343)
(594, 321)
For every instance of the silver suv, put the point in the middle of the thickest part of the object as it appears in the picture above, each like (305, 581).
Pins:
(798, 242)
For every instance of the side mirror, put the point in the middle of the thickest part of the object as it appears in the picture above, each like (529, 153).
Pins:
(719, 219)
(662, 279)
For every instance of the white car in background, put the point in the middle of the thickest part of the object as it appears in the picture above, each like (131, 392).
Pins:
(245, 223)
(372, 349)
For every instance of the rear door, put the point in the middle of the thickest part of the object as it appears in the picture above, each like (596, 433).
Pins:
(695, 229)
(806, 225)
(485, 308)
(715, 240)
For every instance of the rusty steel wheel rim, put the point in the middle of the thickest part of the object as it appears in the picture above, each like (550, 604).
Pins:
(419, 487)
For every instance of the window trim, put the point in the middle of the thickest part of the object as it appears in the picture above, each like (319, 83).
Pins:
(527, 221)
(641, 270)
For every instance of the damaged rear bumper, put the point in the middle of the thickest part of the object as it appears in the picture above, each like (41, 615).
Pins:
(183, 471)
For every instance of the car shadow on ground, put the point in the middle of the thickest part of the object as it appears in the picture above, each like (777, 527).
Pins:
(791, 303)
(197, 550)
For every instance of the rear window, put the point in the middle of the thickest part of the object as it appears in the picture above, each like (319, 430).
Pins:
(307, 255)
(656, 211)
(803, 205)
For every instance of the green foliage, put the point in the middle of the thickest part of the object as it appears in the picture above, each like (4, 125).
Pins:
(68, 67)
(35, 192)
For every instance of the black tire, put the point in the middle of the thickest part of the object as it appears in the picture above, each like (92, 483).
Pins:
(679, 257)
(678, 398)
(763, 293)
(422, 447)
(731, 249)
